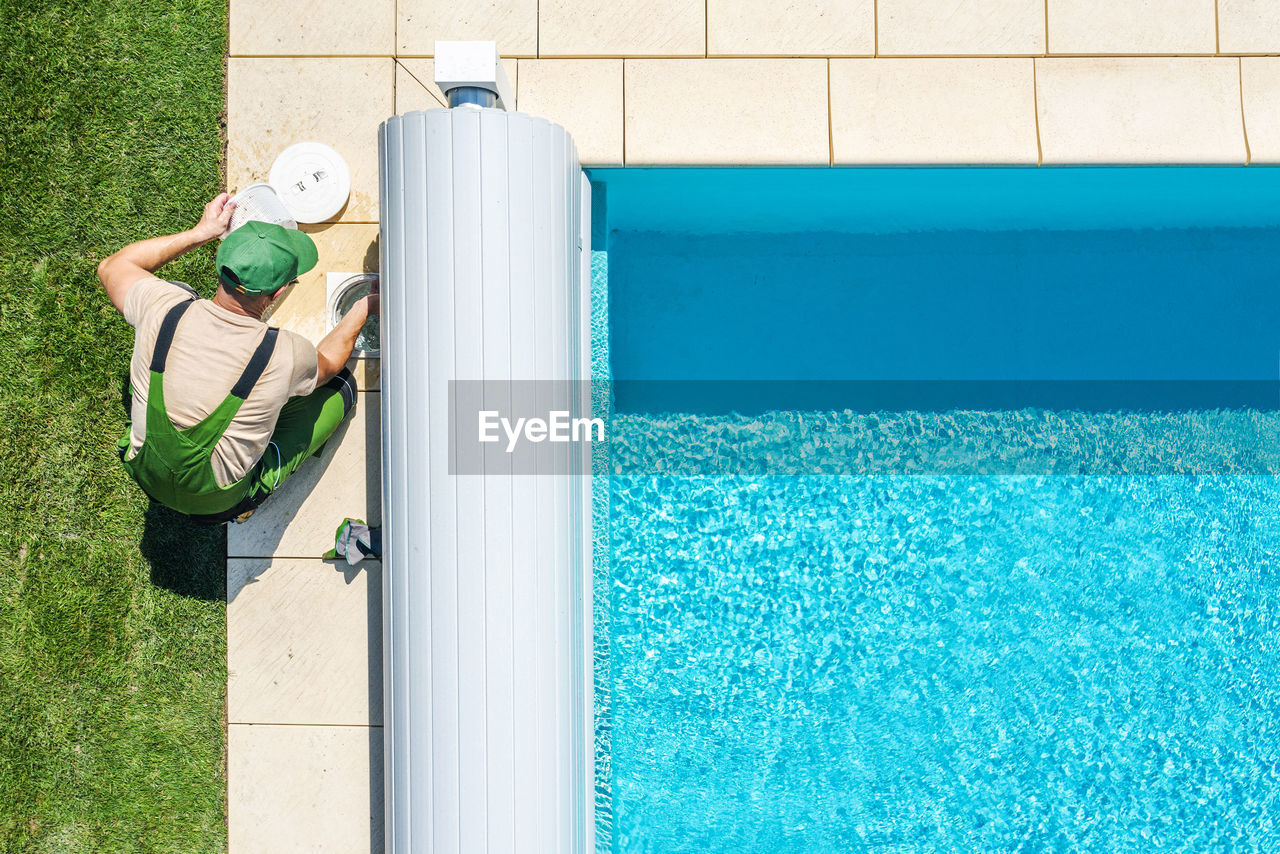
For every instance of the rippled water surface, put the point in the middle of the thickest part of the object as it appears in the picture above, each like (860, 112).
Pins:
(940, 662)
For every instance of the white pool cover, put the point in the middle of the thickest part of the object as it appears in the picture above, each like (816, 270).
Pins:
(487, 593)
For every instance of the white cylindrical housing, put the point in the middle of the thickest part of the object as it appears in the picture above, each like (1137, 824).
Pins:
(485, 229)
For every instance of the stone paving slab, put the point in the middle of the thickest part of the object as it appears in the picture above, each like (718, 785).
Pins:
(621, 28)
(304, 642)
(312, 27)
(1140, 110)
(1249, 26)
(1132, 27)
(960, 27)
(1260, 77)
(800, 28)
(712, 111)
(960, 111)
(304, 789)
(513, 24)
(300, 519)
(275, 102)
(583, 95)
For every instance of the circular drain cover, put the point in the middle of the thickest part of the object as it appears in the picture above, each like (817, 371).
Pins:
(312, 180)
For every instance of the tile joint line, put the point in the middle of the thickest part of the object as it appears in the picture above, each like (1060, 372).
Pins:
(624, 112)
(1217, 29)
(346, 726)
(831, 139)
(429, 89)
(1244, 124)
(1035, 103)
(1046, 27)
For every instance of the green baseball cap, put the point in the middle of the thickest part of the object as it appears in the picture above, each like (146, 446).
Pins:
(261, 257)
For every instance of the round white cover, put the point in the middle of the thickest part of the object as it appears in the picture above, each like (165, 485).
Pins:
(312, 180)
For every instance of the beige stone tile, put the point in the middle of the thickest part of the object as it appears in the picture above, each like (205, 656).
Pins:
(622, 28)
(513, 24)
(312, 28)
(961, 27)
(800, 28)
(1140, 110)
(304, 642)
(299, 520)
(1131, 26)
(273, 103)
(416, 88)
(296, 789)
(933, 111)
(1249, 26)
(726, 111)
(584, 95)
(1260, 77)
(342, 247)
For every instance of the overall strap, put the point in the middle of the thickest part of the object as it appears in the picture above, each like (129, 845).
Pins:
(165, 337)
(257, 364)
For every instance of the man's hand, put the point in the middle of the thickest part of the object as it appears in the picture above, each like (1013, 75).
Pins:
(120, 271)
(216, 218)
(335, 349)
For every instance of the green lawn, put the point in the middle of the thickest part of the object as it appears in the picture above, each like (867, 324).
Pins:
(112, 620)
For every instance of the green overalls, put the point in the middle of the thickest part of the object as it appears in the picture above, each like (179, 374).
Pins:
(173, 466)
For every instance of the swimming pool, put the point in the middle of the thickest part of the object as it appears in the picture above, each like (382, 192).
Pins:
(941, 510)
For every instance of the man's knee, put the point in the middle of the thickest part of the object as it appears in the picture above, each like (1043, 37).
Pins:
(345, 385)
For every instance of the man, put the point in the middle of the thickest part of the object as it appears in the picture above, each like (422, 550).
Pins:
(225, 408)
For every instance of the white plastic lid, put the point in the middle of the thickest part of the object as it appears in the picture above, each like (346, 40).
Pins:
(260, 202)
(312, 180)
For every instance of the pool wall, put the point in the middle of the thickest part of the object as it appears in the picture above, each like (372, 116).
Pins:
(601, 406)
(951, 288)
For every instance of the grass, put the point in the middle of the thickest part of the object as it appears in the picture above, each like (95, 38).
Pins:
(112, 615)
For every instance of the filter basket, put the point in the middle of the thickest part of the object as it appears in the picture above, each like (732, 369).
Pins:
(259, 202)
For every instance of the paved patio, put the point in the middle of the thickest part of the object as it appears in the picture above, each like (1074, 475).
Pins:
(645, 82)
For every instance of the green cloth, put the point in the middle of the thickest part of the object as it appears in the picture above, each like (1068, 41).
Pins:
(173, 466)
(305, 424)
(261, 257)
(354, 541)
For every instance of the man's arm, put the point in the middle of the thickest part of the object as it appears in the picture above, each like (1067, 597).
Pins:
(119, 272)
(334, 349)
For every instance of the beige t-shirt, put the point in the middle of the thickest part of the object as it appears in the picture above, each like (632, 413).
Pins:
(210, 350)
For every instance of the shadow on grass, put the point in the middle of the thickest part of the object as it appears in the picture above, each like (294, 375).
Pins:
(186, 558)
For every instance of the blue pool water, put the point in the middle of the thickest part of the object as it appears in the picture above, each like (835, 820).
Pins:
(1045, 624)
